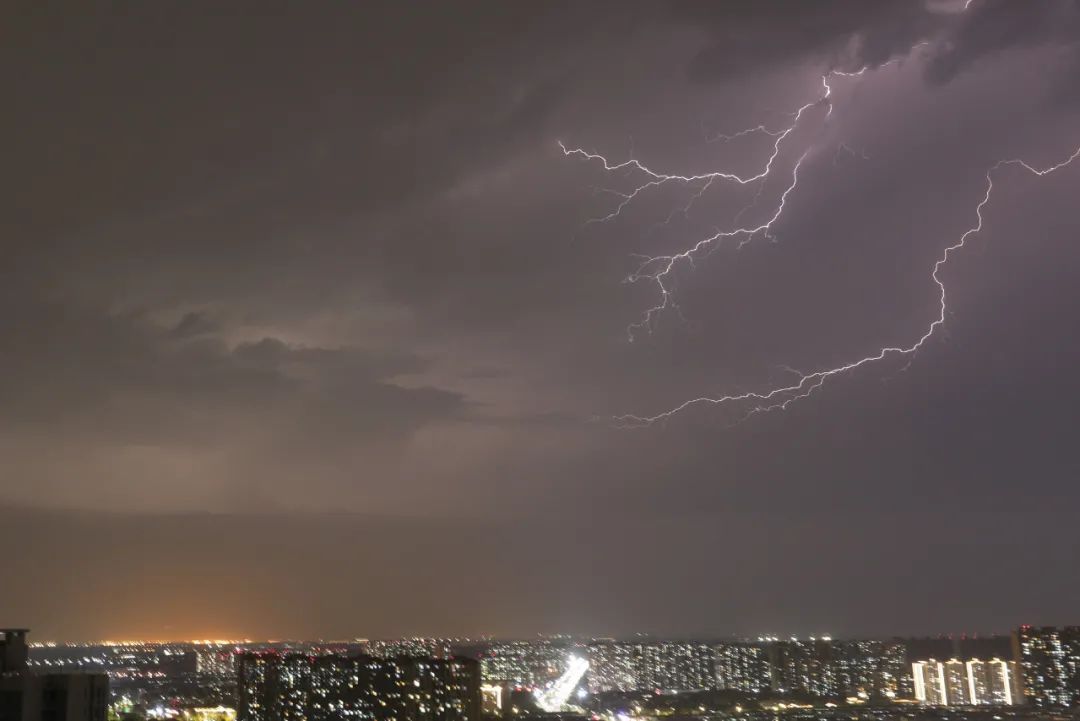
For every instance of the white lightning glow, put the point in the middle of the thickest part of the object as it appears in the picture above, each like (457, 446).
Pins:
(780, 397)
(660, 269)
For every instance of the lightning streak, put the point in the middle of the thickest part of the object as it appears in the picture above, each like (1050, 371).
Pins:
(780, 397)
(660, 269)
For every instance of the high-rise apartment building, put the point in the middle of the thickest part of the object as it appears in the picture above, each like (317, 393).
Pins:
(677, 666)
(524, 663)
(992, 683)
(807, 666)
(273, 686)
(868, 669)
(656, 665)
(299, 687)
(613, 666)
(1050, 662)
(974, 682)
(742, 666)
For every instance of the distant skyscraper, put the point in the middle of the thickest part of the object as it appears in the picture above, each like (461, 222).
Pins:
(30, 696)
(1050, 662)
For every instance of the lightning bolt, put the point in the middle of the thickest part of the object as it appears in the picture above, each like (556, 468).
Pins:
(660, 269)
(780, 397)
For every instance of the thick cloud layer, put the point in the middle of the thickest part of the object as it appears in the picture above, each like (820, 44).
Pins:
(330, 259)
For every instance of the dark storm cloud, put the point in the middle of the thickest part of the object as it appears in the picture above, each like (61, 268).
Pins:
(849, 34)
(751, 36)
(195, 323)
(997, 26)
(126, 354)
(140, 412)
(306, 258)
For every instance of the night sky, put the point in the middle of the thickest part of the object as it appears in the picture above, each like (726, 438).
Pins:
(306, 331)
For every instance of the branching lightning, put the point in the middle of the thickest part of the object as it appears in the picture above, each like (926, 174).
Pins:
(780, 397)
(660, 269)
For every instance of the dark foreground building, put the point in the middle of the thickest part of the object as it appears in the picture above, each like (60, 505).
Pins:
(300, 687)
(29, 696)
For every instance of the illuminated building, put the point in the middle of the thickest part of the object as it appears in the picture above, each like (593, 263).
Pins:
(524, 663)
(975, 682)
(613, 666)
(395, 689)
(870, 669)
(941, 683)
(742, 666)
(992, 683)
(422, 647)
(930, 686)
(805, 666)
(657, 665)
(955, 680)
(27, 695)
(677, 666)
(866, 669)
(491, 700)
(300, 687)
(822, 666)
(216, 713)
(215, 661)
(1050, 662)
(272, 686)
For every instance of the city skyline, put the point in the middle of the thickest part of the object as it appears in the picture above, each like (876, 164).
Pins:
(683, 317)
(638, 637)
(1033, 667)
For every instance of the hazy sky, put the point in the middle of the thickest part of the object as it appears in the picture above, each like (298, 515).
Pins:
(306, 331)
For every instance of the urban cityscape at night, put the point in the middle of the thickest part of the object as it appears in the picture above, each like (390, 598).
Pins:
(540, 360)
(1032, 673)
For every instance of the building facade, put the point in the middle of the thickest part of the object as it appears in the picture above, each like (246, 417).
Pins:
(677, 666)
(975, 682)
(866, 669)
(26, 695)
(613, 666)
(742, 666)
(530, 664)
(300, 687)
(993, 683)
(1050, 662)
